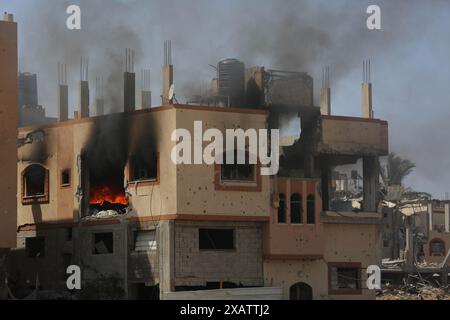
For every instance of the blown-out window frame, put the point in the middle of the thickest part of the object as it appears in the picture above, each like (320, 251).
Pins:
(32, 199)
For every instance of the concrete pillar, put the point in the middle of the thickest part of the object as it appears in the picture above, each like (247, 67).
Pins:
(430, 216)
(146, 99)
(8, 131)
(409, 248)
(166, 234)
(370, 183)
(326, 178)
(447, 216)
(83, 99)
(129, 93)
(367, 111)
(167, 83)
(325, 101)
(63, 103)
(99, 107)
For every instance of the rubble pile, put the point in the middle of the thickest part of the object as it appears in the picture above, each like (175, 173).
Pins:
(414, 293)
(102, 214)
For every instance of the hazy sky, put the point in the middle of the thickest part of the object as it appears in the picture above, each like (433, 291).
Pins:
(410, 56)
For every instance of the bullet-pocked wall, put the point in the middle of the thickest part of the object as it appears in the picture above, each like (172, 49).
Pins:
(200, 189)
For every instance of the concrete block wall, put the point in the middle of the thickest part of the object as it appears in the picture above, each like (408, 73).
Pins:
(105, 264)
(194, 267)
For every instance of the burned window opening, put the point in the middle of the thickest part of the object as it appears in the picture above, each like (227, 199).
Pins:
(346, 185)
(282, 208)
(35, 188)
(103, 243)
(144, 167)
(65, 178)
(344, 279)
(34, 180)
(106, 190)
(296, 209)
(216, 239)
(35, 247)
(238, 172)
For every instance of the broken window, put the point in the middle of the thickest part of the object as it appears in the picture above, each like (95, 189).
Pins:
(35, 182)
(144, 167)
(103, 243)
(216, 239)
(437, 247)
(346, 189)
(344, 279)
(310, 210)
(145, 240)
(282, 208)
(296, 208)
(238, 172)
(65, 178)
(35, 247)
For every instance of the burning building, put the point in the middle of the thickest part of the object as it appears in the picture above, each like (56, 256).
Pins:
(102, 192)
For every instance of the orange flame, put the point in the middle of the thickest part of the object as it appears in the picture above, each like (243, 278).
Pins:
(100, 194)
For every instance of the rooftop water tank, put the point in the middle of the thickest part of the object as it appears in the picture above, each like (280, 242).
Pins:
(231, 81)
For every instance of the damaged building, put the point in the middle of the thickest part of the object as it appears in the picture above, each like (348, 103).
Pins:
(416, 239)
(102, 192)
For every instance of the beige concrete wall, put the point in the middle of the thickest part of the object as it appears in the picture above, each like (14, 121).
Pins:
(59, 150)
(342, 243)
(8, 133)
(295, 239)
(180, 189)
(353, 136)
(196, 189)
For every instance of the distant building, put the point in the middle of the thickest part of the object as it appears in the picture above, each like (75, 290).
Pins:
(30, 112)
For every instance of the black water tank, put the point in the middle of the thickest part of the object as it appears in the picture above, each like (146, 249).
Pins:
(231, 81)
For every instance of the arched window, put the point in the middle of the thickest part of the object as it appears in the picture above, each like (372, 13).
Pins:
(300, 291)
(35, 184)
(296, 208)
(437, 247)
(310, 210)
(282, 209)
